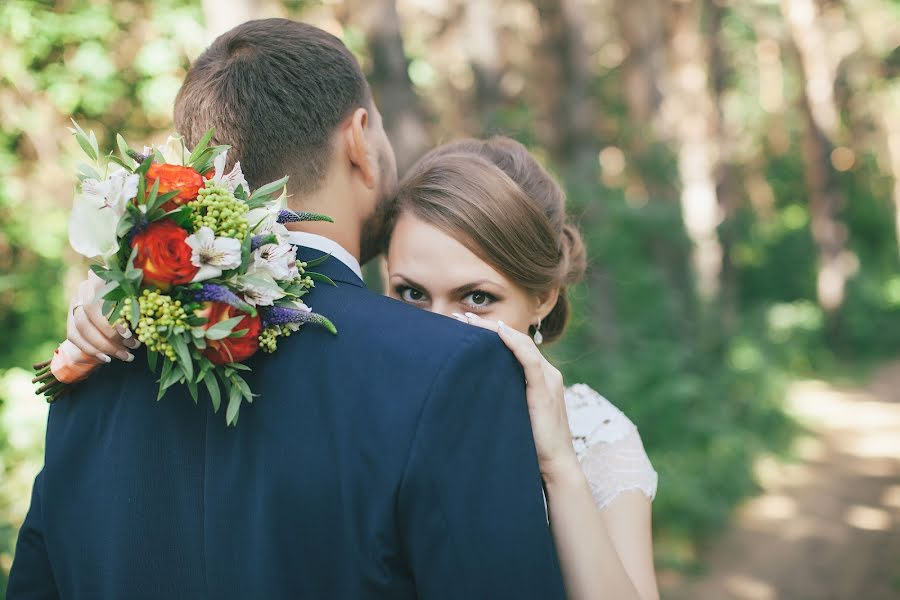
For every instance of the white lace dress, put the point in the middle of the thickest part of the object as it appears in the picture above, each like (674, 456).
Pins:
(608, 446)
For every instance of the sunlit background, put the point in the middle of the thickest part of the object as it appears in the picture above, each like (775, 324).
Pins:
(734, 165)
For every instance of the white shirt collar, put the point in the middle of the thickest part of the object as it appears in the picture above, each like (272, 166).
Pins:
(326, 245)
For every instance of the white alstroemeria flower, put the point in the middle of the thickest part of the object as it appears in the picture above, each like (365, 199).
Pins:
(174, 151)
(264, 220)
(232, 180)
(259, 288)
(278, 260)
(213, 254)
(97, 211)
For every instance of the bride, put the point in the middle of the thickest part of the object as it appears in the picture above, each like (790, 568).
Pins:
(478, 232)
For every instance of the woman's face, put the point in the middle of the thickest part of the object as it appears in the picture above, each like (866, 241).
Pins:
(431, 270)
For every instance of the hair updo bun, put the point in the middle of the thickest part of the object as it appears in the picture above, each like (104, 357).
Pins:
(500, 202)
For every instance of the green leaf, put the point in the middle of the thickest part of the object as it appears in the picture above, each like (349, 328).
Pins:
(321, 278)
(135, 312)
(110, 307)
(144, 167)
(102, 292)
(234, 405)
(269, 188)
(89, 171)
(123, 152)
(192, 388)
(238, 333)
(184, 356)
(86, 146)
(125, 225)
(170, 378)
(222, 329)
(257, 202)
(212, 386)
(244, 388)
(317, 261)
(201, 146)
(151, 360)
(239, 367)
(166, 372)
(153, 192)
(113, 158)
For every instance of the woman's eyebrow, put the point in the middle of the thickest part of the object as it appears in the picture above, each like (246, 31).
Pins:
(474, 285)
(407, 281)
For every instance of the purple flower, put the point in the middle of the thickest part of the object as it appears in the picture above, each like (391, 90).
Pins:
(282, 315)
(211, 292)
(289, 216)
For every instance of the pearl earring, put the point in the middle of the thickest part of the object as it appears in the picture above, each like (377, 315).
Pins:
(538, 336)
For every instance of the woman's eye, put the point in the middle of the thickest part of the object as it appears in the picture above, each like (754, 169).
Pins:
(479, 299)
(408, 294)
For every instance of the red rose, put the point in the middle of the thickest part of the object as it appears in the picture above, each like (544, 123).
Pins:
(163, 254)
(185, 180)
(230, 349)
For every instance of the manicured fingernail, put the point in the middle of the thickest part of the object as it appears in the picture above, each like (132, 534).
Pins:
(126, 356)
(123, 331)
(103, 357)
(471, 316)
(132, 343)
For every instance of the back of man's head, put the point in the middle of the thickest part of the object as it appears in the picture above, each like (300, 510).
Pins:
(275, 90)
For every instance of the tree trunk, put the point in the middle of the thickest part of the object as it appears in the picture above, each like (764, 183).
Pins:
(641, 27)
(484, 58)
(691, 115)
(574, 116)
(821, 126)
(404, 118)
(890, 115)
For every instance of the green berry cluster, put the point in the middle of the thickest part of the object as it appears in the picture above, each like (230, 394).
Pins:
(217, 208)
(268, 337)
(160, 315)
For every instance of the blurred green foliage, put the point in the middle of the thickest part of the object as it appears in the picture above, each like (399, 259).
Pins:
(703, 382)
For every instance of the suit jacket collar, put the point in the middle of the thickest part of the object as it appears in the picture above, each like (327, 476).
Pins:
(333, 268)
(326, 245)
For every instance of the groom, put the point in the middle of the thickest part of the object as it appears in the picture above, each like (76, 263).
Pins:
(394, 460)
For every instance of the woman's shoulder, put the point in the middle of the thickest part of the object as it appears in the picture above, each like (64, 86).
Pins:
(593, 419)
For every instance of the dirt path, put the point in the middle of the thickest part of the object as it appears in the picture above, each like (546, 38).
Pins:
(828, 526)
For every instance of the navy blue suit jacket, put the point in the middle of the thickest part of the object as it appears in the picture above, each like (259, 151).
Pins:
(394, 460)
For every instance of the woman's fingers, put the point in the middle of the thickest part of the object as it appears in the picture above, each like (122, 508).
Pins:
(102, 337)
(74, 336)
(473, 319)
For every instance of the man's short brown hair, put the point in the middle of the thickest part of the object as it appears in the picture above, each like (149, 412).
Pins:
(275, 90)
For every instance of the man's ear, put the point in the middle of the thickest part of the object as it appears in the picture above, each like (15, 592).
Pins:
(545, 303)
(358, 149)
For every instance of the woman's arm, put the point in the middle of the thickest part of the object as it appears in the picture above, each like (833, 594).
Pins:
(603, 553)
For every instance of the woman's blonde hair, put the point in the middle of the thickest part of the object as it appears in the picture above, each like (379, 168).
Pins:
(494, 197)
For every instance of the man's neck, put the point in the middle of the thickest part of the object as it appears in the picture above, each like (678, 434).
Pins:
(346, 229)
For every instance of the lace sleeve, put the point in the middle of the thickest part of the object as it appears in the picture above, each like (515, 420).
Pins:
(608, 446)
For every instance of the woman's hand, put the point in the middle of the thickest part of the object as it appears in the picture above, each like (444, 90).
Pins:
(545, 392)
(89, 329)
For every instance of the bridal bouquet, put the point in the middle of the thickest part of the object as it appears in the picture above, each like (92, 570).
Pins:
(195, 264)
